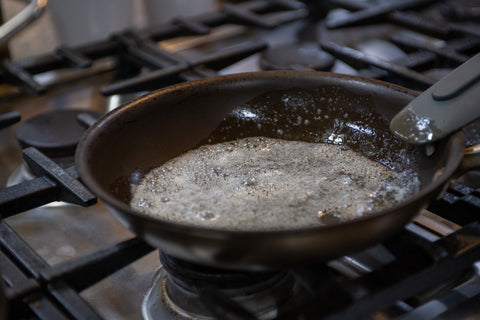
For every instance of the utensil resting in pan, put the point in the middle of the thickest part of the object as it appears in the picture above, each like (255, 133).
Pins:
(446, 107)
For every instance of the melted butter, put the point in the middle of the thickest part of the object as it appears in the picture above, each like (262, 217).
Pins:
(263, 184)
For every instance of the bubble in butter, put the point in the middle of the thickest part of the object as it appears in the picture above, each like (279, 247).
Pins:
(263, 183)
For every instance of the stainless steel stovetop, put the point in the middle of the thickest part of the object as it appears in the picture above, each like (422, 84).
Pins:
(65, 235)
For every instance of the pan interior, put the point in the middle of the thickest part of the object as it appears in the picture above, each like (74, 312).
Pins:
(167, 126)
(321, 115)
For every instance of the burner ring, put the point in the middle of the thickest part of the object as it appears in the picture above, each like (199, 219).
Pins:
(296, 56)
(55, 133)
(192, 275)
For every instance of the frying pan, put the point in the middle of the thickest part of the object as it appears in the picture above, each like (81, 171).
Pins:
(126, 143)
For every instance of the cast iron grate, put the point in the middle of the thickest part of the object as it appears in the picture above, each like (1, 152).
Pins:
(53, 184)
(443, 42)
(36, 289)
(135, 51)
(8, 118)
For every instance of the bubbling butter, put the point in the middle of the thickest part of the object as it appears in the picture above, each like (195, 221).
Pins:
(261, 183)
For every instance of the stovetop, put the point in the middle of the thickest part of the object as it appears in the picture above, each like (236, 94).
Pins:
(75, 261)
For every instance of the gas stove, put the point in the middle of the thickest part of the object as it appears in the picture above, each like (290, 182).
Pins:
(63, 256)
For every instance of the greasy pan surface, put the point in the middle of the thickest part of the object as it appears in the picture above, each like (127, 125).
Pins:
(126, 143)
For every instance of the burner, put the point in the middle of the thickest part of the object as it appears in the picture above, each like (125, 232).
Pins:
(194, 291)
(296, 56)
(55, 133)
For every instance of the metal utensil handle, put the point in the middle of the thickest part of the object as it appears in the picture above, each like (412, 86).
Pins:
(445, 107)
(30, 13)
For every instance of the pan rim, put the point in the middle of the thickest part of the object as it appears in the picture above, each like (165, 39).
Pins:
(214, 232)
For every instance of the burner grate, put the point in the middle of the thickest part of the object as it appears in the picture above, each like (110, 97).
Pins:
(54, 184)
(52, 292)
(9, 118)
(180, 71)
(429, 44)
(135, 51)
(460, 204)
(401, 284)
(398, 286)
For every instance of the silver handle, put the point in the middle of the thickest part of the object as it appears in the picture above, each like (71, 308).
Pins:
(445, 107)
(30, 13)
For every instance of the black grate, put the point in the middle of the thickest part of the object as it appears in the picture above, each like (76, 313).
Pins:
(8, 118)
(136, 50)
(418, 267)
(53, 184)
(34, 289)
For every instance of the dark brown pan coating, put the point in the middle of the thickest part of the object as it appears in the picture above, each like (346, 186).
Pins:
(147, 132)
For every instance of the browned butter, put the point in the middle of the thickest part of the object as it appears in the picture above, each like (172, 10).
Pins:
(264, 183)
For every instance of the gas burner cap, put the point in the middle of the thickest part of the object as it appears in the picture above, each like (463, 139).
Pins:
(191, 274)
(55, 133)
(296, 56)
